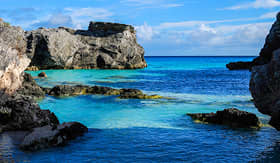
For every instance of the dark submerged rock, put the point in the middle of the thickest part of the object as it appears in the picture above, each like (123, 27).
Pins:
(239, 65)
(49, 136)
(230, 117)
(68, 90)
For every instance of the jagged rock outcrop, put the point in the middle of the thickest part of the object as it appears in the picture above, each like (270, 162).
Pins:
(49, 136)
(12, 64)
(272, 43)
(239, 65)
(231, 117)
(31, 88)
(103, 45)
(265, 77)
(68, 90)
(18, 112)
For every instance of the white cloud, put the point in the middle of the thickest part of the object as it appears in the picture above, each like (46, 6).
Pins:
(82, 16)
(256, 4)
(60, 19)
(145, 32)
(152, 3)
(77, 18)
(269, 15)
(206, 37)
(196, 23)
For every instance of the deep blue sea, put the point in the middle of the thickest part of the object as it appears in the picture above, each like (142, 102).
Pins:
(155, 130)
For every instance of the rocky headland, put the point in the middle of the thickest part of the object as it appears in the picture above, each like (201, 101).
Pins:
(101, 46)
(265, 77)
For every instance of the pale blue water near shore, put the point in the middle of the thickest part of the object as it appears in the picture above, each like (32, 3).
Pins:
(156, 130)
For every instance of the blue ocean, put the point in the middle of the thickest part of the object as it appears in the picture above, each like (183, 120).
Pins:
(155, 130)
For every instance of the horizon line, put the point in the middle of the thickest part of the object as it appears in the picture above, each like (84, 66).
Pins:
(201, 56)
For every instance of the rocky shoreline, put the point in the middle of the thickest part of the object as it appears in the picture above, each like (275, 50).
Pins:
(103, 45)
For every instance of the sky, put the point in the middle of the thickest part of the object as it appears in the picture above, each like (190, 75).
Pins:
(164, 27)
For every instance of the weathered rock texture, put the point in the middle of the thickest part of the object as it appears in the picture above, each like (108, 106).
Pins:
(265, 78)
(31, 88)
(49, 136)
(230, 117)
(22, 113)
(103, 45)
(12, 64)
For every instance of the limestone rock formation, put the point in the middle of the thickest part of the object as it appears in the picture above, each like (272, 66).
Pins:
(230, 117)
(12, 64)
(49, 136)
(103, 45)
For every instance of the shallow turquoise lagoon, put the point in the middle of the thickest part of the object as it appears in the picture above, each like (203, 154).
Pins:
(156, 130)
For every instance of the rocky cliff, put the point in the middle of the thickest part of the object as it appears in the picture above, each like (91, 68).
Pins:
(12, 59)
(103, 45)
(265, 78)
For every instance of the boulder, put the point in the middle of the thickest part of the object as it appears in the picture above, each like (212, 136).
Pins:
(42, 75)
(49, 136)
(103, 45)
(19, 112)
(230, 117)
(239, 65)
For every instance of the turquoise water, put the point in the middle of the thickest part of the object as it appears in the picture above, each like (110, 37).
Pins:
(156, 130)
